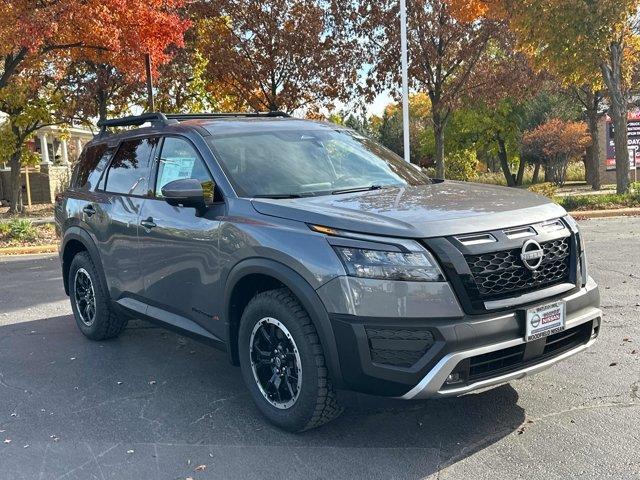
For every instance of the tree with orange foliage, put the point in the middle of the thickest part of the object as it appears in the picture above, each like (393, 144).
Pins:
(554, 145)
(282, 54)
(39, 44)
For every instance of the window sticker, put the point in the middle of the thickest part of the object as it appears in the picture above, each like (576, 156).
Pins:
(176, 168)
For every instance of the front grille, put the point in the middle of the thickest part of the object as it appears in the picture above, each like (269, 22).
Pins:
(511, 359)
(502, 274)
(398, 347)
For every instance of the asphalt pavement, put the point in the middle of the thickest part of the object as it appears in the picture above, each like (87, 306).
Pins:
(154, 405)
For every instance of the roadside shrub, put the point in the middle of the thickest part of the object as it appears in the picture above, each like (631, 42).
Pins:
(491, 178)
(599, 202)
(462, 165)
(22, 230)
(576, 172)
(546, 189)
(555, 144)
(429, 171)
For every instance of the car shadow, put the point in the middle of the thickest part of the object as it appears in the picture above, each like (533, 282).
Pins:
(151, 387)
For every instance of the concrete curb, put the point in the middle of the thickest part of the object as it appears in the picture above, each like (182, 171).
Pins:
(28, 250)
(614, 212)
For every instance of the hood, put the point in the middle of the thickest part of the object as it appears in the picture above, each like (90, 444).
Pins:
(439, 209)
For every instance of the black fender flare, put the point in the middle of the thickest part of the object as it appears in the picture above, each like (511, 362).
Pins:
(81, 235)
(304, 292)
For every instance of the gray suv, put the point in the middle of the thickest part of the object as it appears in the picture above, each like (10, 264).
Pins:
(317, 260)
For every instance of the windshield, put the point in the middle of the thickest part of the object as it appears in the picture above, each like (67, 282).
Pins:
(293, 163)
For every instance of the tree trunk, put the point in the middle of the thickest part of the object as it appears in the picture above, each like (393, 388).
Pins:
(521, 169)
(438, 132)
(536, 173)
(504, 161)
(612, 73)
(592, 159)
(15, 183)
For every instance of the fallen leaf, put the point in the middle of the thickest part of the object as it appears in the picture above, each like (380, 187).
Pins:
(200, 468)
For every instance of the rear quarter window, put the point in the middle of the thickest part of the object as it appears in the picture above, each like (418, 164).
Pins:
(92, 162)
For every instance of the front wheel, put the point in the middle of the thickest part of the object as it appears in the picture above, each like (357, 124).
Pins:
(283, 364)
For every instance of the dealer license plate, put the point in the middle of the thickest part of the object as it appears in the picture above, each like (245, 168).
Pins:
(545, 320)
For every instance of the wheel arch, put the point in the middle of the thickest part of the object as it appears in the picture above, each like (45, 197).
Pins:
(254, 275)
(77, 240)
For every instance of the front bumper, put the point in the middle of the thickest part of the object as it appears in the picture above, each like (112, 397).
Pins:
(459, 346)
(434, 383)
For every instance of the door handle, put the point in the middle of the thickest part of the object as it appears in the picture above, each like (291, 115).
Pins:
(148, 223)
(89, 210)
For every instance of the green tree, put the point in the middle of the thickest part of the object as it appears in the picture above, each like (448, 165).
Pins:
(576, 39)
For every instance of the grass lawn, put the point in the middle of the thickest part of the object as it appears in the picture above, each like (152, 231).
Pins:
(607, 201)
(21, 233)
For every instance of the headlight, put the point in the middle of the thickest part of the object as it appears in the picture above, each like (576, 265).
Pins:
(412, 266)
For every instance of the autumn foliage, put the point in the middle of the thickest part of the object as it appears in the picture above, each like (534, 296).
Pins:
(103, 40)
(119, 31)
(554, 144)
(281, 54)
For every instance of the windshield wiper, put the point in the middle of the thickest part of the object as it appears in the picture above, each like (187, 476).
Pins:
(357, 189)
(284, 195)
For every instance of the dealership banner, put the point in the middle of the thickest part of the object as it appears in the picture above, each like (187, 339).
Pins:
(633, 131)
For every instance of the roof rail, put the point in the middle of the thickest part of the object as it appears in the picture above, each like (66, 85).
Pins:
(158, 118)
(198, 116)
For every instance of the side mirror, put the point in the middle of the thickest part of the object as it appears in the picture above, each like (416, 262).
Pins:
(187, 192)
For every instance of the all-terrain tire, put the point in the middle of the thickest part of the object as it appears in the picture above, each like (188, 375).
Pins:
(316, 403)
(105, 323)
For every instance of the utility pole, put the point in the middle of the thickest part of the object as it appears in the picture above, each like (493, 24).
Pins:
(150, 103)
(405, 79)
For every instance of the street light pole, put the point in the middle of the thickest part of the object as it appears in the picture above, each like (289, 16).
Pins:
(405, 79)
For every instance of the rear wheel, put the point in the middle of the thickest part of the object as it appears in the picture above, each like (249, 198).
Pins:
(283, 364)
(90, 302)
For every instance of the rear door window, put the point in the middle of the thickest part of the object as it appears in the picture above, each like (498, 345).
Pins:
(90, 166)
(129, 171)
